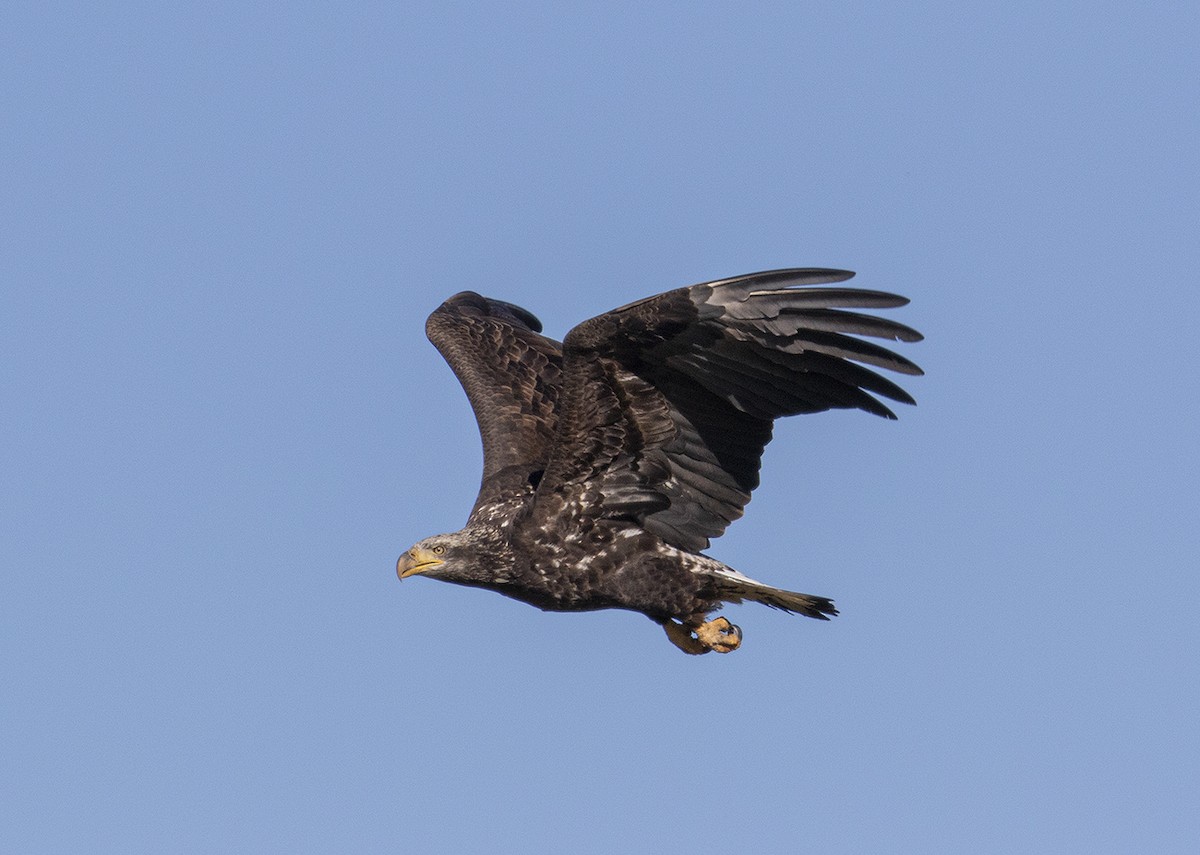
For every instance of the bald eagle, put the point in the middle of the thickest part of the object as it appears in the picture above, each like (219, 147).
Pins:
(611, 459)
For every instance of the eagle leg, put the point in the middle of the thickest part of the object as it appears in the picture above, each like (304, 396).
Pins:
(682, 638)
(717, 634)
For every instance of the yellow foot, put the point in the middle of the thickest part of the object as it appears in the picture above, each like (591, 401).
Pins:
(717, 634)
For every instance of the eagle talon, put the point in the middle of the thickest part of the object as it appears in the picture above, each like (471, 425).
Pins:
(720, 635)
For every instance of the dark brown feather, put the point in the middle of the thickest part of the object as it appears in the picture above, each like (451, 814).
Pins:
(673, 397)
(511, 376)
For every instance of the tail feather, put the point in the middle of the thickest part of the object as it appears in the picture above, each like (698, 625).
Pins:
(793, 602)
(733, 587)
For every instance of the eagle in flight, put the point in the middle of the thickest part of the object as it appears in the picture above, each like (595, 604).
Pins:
(612, 458)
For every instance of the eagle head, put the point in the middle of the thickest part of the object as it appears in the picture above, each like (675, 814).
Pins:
(449, 557)
(428, 556)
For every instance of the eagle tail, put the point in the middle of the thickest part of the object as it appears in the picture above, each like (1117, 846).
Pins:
(733, 587)
(793, 602)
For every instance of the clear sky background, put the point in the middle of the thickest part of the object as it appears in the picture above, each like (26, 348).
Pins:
(223, 225)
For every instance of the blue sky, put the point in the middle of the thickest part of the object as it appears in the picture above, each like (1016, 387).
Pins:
(222, 228)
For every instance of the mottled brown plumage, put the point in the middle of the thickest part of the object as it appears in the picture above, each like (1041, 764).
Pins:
(610, 460)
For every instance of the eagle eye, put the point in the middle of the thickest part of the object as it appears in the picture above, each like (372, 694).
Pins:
(439, 549)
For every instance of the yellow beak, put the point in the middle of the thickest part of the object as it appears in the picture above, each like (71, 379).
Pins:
(416, 561)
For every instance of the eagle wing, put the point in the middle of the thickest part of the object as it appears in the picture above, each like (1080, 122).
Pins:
(511, 376)
(667, 403)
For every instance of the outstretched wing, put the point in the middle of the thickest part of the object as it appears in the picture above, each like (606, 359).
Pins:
(511, 376)
(667, 403)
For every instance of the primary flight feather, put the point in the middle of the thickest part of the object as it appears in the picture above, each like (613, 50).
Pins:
(611, 459)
